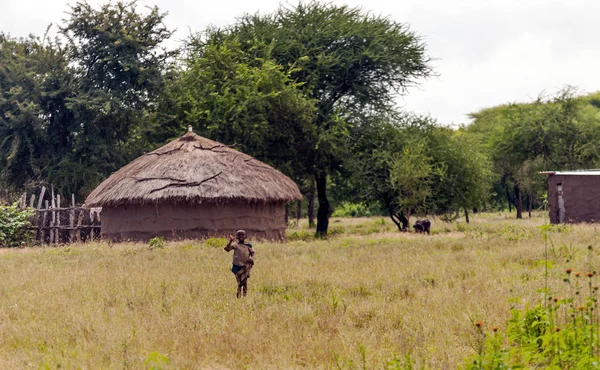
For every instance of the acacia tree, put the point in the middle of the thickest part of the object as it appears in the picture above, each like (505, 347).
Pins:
(249, 103)
(348, 60)
(410, 165)
(523, 139)
(34, 124)
(119, 66)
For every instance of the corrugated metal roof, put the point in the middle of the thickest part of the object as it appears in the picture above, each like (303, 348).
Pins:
(572, 173)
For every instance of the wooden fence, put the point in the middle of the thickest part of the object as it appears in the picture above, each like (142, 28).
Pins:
(56, 221)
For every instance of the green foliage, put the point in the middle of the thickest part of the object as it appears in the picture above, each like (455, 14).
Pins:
(558, 132)
(561, 333)
(215, 242)
(536, 341)
(33, 123)
(73, 114)
(402, 363)
(408, 164)
(14, 226)
(347, 209)
(412, 173)
(119, 66)
(234, 99)
(303, 235)
(156, 361)
(345, 60)
(156, 243)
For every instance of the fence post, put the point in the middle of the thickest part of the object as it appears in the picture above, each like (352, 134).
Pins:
(43, 229)
(53, 222)
(79, 221)
(59, 212)
(42, 193)
(92, 219)
(72, 218)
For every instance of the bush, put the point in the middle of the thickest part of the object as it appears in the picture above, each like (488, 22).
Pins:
(158, 242)
(352, 210)
(562, 333)
(15, 226)
(215, 242)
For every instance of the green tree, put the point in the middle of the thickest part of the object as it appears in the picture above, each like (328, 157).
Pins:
(348, 60)
(555, 132)
(411, 165)
(119, 65)
(251, 103)
(35, 126)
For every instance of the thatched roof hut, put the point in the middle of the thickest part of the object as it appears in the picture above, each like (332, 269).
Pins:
(193, 187)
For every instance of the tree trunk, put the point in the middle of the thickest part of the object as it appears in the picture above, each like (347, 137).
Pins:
(518, 202)
(396, 220)
(529, 203)
(475, 210)
(404, 221)
(310, 212)
(466, 215)
(323, 212)
(400, 220)
(298, 210)
(509, 202)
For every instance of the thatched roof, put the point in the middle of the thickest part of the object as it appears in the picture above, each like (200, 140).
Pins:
(193, 169)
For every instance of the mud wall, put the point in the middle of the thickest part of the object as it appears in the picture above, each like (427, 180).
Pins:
(581, 196)
(143, 222)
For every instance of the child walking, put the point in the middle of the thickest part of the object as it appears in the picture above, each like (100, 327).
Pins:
(243, 260)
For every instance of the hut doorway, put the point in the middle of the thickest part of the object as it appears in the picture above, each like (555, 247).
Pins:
(561, 204)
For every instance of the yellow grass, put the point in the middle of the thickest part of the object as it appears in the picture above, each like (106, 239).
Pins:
(357, 300)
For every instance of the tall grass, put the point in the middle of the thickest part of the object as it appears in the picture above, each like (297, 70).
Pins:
(364, 298)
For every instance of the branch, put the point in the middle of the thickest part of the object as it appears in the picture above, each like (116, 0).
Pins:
(211, 148)
(141, 179)
(236, 157)
(187, 184)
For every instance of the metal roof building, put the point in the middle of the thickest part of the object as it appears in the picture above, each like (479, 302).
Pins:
(573, 196)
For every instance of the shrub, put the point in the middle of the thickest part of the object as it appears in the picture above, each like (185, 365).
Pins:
(352, 210)
(562, 333)
(301, 235)
(215, 242)
(15, 225)
(158, 242)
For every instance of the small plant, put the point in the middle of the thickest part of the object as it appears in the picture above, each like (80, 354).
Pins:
(301, 235)
(561, 333)
(352, 210)
(461, 227)
(156, 361)
(15, 226)
(215, 242)
(402, 363)
(157, 242)
(515, 233)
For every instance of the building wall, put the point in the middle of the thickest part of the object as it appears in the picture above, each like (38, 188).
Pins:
(581, 196)
(143, 222)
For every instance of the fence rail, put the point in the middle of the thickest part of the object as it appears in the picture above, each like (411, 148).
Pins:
(55, 223)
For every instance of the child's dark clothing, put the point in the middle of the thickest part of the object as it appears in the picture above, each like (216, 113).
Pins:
(241, 265)
(242, 255)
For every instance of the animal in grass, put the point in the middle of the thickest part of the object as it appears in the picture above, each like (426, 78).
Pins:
(243, 260)
(422, 226)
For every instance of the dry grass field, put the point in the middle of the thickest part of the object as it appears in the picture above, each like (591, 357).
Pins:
(358, 300)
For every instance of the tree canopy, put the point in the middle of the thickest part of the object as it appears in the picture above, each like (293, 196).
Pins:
(75, 112)
(309, 88)
(347, 60)
(554, 132)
